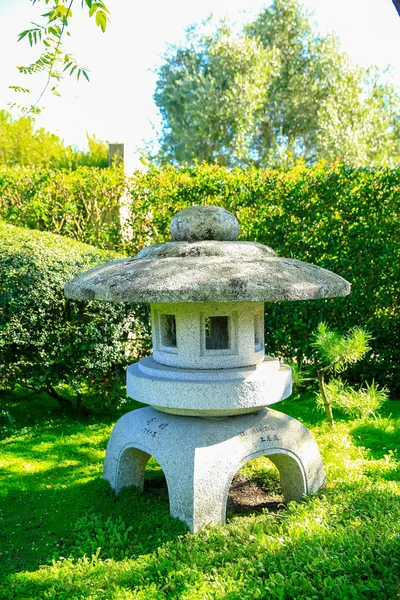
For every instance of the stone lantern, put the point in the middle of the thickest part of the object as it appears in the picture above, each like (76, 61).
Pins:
(208, 381)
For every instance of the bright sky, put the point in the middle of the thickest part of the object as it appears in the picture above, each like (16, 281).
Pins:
(117, 104)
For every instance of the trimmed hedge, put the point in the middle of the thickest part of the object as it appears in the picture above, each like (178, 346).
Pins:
(346, 220)
(81, 204)
(47, 341)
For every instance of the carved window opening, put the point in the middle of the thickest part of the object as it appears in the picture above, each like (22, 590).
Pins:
(258, 333)
(217, 332)
(168, 330)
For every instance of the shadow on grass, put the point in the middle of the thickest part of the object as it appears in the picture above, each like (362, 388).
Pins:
(380, 437)
(302, 407)
(24, 408)
(79, 517)
(46, 525)
(52, 490)
(66, 509)
(350, 558)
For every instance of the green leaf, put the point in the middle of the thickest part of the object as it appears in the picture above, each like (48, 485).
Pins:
(101, 20)
(54, 31)
(18, 88)
(23, 34)
(63, 11)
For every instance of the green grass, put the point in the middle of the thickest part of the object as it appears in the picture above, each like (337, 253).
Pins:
(64, 535)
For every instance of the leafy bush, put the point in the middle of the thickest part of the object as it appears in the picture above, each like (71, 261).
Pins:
(346, 220)
(81, 204)
(47, 341)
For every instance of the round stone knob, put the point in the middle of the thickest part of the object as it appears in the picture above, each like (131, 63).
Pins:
(197, 223)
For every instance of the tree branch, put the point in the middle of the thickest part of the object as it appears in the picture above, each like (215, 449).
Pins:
(60, 399)
(53, 61)
(328, 367)
(327, 404)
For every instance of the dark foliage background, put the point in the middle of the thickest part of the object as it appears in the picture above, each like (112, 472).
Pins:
(51, 344)
(343, 219)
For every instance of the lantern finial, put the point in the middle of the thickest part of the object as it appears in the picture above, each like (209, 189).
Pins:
(201, 223)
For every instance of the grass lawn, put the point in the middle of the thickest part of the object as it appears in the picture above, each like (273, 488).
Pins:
(64, 535)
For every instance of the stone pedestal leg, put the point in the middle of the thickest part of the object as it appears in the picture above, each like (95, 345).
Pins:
(200, 457)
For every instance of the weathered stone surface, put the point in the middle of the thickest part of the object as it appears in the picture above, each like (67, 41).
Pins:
(203, 269)
(215, 279)
(207, 294)
(190, 351)
(236, 250)
(208, 392)
(204, 223)
(200, 457)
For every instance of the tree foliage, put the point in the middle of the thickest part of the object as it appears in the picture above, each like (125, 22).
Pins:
(22, 144)
(338, 351)
(361, 402)
(276, 91)
(208, 93)
(49, 35)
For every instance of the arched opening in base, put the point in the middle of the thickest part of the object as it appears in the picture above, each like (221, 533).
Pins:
(137, 468)
(254, 488)
(155, 482)
(130, 470)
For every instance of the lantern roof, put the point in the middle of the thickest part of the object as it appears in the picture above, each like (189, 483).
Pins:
(205, 263)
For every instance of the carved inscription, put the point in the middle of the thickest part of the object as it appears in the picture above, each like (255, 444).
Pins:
(148, 432)
(266, 437)
(263, 428)
(152, 428)
(270, 438)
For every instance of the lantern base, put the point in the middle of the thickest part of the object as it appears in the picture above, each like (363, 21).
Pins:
(209, 392)
(200, 457)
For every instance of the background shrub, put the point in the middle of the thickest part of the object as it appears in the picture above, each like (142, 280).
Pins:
(81, 204)
(346, 220)
(47, 341)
